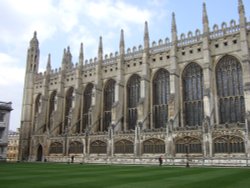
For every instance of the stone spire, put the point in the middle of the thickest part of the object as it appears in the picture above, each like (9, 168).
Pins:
(69, 56)
(34, 42)
(100, 49)
(205, 19)
(241, 11)
(48, 67)
(146, 36)
(81, 56)
(174, 29)
(122, 43)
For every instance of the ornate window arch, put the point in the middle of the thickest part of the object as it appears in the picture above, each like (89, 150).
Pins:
(38, 103)
(124, 146)
(56, 148)
(133, 97)
(52, 107)
(75, 147)
(87, 100)
(98, 147)
(109, 99)
(229, 144)
(230, 90)
(153, 146)
(161, 92)
(69, 98)
(188, 145)
(192, 79)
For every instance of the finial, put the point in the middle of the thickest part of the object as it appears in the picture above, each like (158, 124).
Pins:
(204, 16)
(35, 34)
(205, 19)
(100, 46)
(81, 56)
(122, 43)
(146, 36)
(173, 28)
(34, 42)
(241, 8)
(49, 62)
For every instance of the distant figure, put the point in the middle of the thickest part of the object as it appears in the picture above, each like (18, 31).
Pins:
(72, 158)
(160, 160)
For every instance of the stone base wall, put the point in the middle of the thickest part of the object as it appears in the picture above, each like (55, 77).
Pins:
(236, 162)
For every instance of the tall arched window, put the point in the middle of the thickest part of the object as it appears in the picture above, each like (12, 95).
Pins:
(109, 99)
(161, 91)
(87, 100)
(193, 94)
(133, 97)
(52, 107)
(68, 107)
(230, 91)
(38, 104)
(188, 145)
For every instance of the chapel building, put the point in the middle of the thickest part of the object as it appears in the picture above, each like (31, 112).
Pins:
(186, 98)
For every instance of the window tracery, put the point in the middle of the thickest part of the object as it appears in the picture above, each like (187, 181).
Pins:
(133, 96)
(230, 91)
(109, 98)
(193, 95)
(161, 92)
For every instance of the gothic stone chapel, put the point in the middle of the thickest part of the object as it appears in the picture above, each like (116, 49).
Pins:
(185, 98)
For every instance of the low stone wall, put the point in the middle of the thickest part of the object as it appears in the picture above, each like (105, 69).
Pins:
(235, 162)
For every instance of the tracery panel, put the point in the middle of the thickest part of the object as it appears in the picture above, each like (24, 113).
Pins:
(153, 146)
(230, 90)
(109, 98)
(193, 95)
(161, 92)
(133, 97)
(87, 100)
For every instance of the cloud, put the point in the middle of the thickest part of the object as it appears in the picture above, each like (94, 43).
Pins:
(10, 73)
(62, 23)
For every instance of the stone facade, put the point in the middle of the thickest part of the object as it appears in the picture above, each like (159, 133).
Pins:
(187, 99)
(5, 109)
(13, 146)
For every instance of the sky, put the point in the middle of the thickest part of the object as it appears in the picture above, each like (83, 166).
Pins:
(62, 23)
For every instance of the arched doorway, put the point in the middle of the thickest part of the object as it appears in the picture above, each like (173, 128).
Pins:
(39, 153)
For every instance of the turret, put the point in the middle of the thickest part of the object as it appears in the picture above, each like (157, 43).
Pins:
(81, 56)
(241, 11)
(173, 29)
(122, 43)
(205, 20)
(146, 37)
(33, 55)
(48, 67)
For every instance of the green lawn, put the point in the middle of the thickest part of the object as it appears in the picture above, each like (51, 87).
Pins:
(37, 175)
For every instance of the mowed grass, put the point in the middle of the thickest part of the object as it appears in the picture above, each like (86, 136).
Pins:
(38, 175)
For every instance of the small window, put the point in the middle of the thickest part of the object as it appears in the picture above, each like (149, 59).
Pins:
(225, 43)
(161, 58)
(199, 49)
(183, 53)
(140, 62)
(168, 56)
(191, 51)
(234, 41)
(2, 116)
(134, 64)
(216, 45)
(154, 59)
